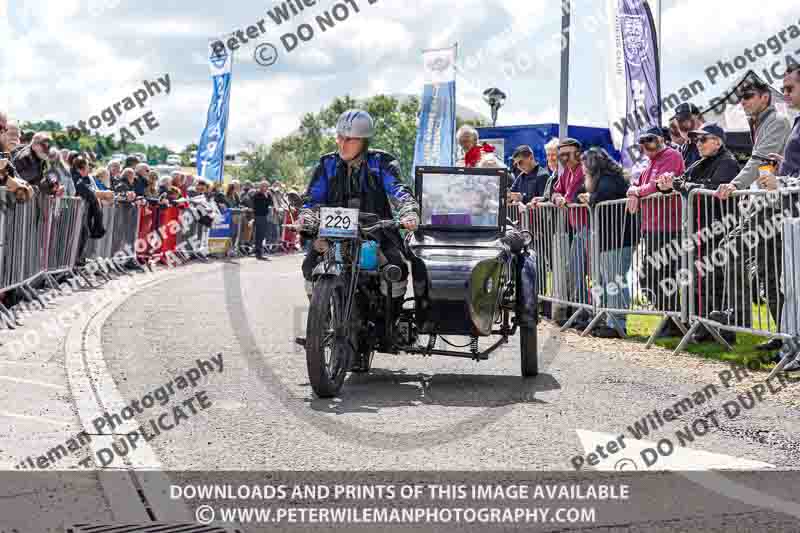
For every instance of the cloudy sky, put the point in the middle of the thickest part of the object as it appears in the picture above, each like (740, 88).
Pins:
(66, 60)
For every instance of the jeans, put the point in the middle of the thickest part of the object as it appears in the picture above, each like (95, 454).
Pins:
(578, 265)
(614, 291)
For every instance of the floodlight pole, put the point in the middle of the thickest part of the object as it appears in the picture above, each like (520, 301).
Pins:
(564, 103)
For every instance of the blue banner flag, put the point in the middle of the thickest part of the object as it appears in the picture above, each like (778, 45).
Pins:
(437, 121)
(211, 148)
(637, 56)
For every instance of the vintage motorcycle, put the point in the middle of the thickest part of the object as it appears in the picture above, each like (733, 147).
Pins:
(473, 276)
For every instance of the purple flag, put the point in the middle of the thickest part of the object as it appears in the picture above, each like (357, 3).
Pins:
(637, 38)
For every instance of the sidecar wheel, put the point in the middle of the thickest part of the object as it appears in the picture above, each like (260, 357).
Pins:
(327, 357)
(528, 351)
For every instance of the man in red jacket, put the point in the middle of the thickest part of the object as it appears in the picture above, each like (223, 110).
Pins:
(660, 225)
(566, 190)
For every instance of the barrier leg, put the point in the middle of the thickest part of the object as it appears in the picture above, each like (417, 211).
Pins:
(572, 319)
(85, 278)
(53, 284)
(679, 324)
(593, 323)
(7, 317)
(717, 337)
(31, 295)
(657, 332)
(687, 338)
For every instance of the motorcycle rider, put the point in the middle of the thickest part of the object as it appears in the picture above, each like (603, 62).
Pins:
(356, 176)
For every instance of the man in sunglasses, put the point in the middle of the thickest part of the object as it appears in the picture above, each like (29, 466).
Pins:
(31, 163)
(660, 224)
(787, 176)
(717, 166)
(768, 129)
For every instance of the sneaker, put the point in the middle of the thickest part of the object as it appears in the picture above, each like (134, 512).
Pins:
(770, 345)
(605, 332)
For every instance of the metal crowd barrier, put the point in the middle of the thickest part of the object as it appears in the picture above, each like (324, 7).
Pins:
(99, 249)
(638, 262)
(561, 241)
(715, 265)
(125, 232)
(239, 223)
(38, 238)
(740, 267)
(65, 223)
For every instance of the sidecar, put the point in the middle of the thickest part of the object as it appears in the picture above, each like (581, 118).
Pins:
(468, 277)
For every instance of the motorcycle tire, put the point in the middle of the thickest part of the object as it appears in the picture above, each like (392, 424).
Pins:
(528, 351)
(328, 362)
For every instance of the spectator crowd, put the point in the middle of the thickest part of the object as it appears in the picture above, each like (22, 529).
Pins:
(33, 167)
(688, 155)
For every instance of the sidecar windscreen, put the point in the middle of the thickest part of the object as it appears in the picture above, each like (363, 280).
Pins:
(461, 198)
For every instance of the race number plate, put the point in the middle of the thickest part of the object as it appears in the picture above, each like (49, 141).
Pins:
(338, 222)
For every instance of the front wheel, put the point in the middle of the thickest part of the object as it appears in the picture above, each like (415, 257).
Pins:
(528, 350)
(327, 350)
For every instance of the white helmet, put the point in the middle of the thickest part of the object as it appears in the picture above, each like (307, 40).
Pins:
(355, 123)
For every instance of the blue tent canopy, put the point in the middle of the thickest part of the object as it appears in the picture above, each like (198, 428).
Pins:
(537, 135)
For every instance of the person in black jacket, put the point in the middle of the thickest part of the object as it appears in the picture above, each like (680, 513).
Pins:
(262, 202)
(604, 181)
(716, 167)
(532, 178)
(93, 221)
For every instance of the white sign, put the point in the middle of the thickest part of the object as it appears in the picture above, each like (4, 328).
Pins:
(338, 222)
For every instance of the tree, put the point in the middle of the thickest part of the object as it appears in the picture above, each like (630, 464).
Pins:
(259, 164)
(45, 125)
(292, 158)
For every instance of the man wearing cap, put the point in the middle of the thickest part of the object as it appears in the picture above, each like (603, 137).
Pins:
(532, 178)
(717, 166)
(31, 163)
(768, 130)
(688, 118)
(660, 224)
(566, 190)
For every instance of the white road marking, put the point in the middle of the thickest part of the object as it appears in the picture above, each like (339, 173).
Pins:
(645, 455)
(87, 372)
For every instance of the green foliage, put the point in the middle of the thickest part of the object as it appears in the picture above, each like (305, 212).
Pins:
(186, 154)
(72, 138)
(291, 159)
(45, 125)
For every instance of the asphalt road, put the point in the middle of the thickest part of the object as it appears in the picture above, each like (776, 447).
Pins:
(411, 418)
(445, 413)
